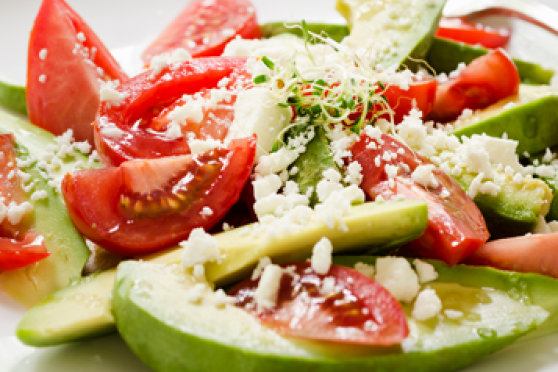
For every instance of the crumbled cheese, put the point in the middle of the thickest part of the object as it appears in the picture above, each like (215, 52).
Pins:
(265, 186)
(426, 272)
(112, 131)
(220, 299)
(268, 288)
(427, 305)
(196, 293)
(321, 256)
(423, 175)
(39, 195)
(199, 146)
(16, 212)
(81, 37)
(206, 212)
(262, 264)
(42, 78)
(199, 249)
(112, 96)
(398, 277)
(453, 314)
(43, 54)
(192, 110)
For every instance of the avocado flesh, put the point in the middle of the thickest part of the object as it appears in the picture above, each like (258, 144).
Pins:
(170, 334)
(12, 97)
(516, 208)
(381, 225)
(533, 119)
(50, 218)
(445, 55)
(333, 31)
(411, 28)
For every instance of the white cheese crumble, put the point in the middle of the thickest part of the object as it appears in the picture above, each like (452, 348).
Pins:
(321, 256)
(43, 54)
(15, 212)
(426, 272)
(427, 305)
(196, 293)
(200, 146)
(200, 248)
(262, 264)
(112, 131)
(398, 277)
(365, 269)
(42, 78)
(112, 96)
(267, 292)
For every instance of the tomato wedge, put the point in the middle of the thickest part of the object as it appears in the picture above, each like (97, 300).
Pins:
(142, 118)
(19, 246)
(421, 95)
(456, 227)
(145, 205)
(205, 27)
(526, 254)
(354, 310)
(482, 83)
(65, 62)
(459, 29)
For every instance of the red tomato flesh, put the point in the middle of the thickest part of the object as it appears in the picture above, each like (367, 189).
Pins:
(150, 99)
(526, 254)
(357, 311)
(482, 83)
(19, 246)
(63, 71)
(205, 27)
(420, 95)
(145, 205)
(456, 227)
(458, 29)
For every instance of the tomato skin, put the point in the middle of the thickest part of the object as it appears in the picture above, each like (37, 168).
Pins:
(319, 318)
(18, 253)
(456, 227)
(217, 23)
(458, 29)
(146, 93)
(401, 101)
(69, 96)
(95, 198)
(526, 254)
(482, 83)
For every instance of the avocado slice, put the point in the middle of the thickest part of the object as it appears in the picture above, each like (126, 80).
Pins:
(312, 163)
(445, 55)
(69, 315)
(68, 251)
(516, 208)
(170, 334)
(531, 117)
(333, 31)
(392, 32)
(12, 97)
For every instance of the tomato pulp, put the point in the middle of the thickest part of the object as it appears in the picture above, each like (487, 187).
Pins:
(141, 119)
(145, 205)
(352, 308)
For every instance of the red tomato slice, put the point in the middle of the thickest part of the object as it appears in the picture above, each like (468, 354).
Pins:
(358, 311)
(19, 247)
(526, 254)
(484, 82)
(205, 27)
(145, 205)
(421, 95)
(458, 29)
(63, 71)
(151, 98)
(15, 254)
(455, 228)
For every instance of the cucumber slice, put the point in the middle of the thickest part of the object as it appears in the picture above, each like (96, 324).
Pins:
(12, 97)
(70, 315)
(445, 55)
(392, 32)
(170, 334)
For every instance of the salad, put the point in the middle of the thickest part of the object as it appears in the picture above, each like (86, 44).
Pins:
(292, 133)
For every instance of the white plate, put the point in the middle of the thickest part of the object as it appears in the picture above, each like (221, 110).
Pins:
(125, 26)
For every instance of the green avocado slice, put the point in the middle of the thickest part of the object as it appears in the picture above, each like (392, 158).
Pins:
(67, 247)
(83, 309)
(445, 55)
(531, 118)
(168, 333)
(333, 31)
(407, 31)
(12, 97)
